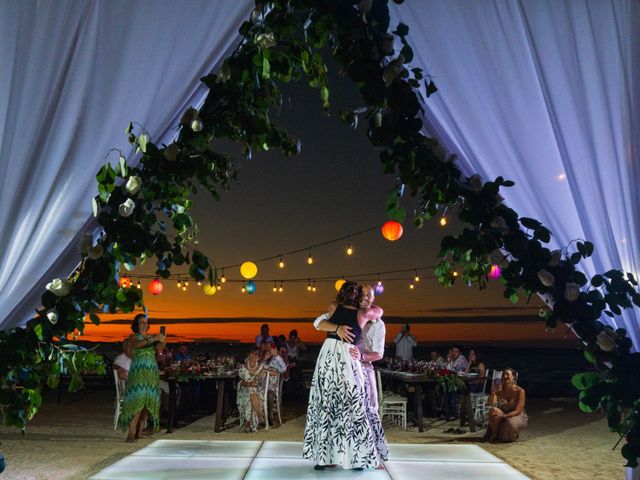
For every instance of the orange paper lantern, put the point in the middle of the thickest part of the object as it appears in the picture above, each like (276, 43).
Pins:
(156, 286)
(392, 230)
(338, 284)
(125, 282)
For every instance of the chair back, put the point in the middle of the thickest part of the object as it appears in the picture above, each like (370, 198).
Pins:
(379, 387)
(120, 386)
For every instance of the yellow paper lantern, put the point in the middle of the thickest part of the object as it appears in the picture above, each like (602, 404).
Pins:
(339, 284)
(210, 289)
(248, 270)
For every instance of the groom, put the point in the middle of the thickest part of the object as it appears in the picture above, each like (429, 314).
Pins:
(371, 343)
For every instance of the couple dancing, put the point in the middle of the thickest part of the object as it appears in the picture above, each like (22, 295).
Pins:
(343, 426)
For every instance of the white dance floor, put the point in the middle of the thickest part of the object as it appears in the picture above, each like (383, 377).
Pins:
(250, 460)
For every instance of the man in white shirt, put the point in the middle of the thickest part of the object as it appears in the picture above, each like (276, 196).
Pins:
(371, 344)
(404, 343)
(457, 362)
(122, 363)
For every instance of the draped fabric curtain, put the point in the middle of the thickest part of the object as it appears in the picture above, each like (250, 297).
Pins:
(545, 93)
(74, 74)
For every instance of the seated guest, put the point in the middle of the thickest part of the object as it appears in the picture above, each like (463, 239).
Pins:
(274, 364)
(183, 354)
(122, 363)
(264, 336)
(287, 361)
(436, 359)
(280, 341)
(507, 416)
(457, 362)
(250, 388)
(476, 365)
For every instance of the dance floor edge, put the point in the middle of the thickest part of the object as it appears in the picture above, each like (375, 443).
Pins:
(251, 460)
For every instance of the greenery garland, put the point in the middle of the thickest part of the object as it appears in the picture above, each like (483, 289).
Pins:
(137, 206)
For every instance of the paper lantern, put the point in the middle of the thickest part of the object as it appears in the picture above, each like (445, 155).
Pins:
(495, 272)
(248, 270)
(392, 230)
(156, 286)
(250, 287)
(339, 284)
(379, 288)
(210, 289)
(125, 282)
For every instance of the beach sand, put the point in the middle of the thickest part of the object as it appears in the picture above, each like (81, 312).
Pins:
(75, 439)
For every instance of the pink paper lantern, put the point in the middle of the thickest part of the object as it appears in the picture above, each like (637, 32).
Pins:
(495, 272)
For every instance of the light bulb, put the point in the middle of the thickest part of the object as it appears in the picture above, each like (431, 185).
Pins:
(349, 250)
(281, 263)
(443, 221)
(416, 278)
(199, 284)
(138, 286)
(275, 289)
(411, 286)
(222, 279)
(186, 283)
(309, 287)
(184, 289)
(310, 260)
(313, 289)
(179, 284)
(244, 290)
(455, 274)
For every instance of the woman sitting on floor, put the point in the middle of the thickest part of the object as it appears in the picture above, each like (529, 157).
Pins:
(250, 391)
(507, 416)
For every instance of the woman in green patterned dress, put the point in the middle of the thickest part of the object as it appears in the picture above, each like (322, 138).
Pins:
(142, 393)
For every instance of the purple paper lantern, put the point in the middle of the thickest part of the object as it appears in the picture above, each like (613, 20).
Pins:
(495, 272)
(379, 288)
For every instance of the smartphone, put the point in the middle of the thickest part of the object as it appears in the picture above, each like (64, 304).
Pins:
(163, 329)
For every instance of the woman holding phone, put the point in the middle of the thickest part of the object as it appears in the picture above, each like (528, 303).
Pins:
(142, 393)
(507, 416)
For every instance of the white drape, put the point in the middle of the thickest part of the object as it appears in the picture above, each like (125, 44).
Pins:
(74, 74)
(545, 93)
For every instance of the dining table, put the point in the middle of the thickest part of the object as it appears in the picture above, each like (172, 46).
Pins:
(421, 382)
(224, 385)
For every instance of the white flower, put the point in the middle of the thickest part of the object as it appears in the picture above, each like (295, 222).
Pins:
(196, 125)
(95, 252)
(546, 278)
(606, 341)
(52, 315)
(475, 183)
(85, 244)
(189, 116)
(556, 255)
(571, 292)
(500, 223)
(126, 208)
(171, 152)
(266, 40)
(392, 70)
(58, 287)
(134, 183)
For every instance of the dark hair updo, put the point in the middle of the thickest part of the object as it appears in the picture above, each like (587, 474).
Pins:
(349, 294)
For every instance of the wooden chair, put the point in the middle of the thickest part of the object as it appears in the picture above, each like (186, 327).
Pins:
(278, 393)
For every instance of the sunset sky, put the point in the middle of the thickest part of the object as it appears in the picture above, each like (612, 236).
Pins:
(333, 188)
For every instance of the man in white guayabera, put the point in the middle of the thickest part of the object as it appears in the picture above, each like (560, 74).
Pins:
(371, 344)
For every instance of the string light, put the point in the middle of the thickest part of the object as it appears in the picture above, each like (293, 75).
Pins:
(411, 286)
(308, 285)
(199, 283)
(313, 287)
(455, 273)
(350, 248)
(281, 263)
(218, 286)
(443, 221)
(186, 284)
(138, 286)
(417, 277)
(222, 279)
(310, 259)
(243, 289)
(184, 288)
(281, 289)
(275, 287)
(179, 284)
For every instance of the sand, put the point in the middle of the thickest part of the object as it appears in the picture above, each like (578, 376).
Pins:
(75, 439)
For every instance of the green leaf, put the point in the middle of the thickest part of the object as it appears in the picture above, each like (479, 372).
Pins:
(266, 68)
(430, 88)
(530, 223)
(129, 128)
(94, 206)
(590, 357)
(143, 140)
(588, 249)
(122, 162)
(402, 30)
(583, 381)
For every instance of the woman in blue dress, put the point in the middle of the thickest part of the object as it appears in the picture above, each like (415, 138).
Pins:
(342, 427)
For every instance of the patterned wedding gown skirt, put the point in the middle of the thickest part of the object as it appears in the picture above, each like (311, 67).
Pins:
(342, 427)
